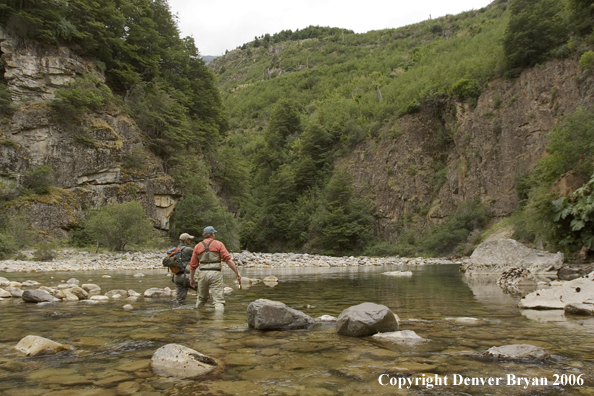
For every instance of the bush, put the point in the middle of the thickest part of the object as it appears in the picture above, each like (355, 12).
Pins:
(118, 225)
(8, 245)
(39, 180)
(587, 62)
(45, 252)
(79, 97)
(466, 88)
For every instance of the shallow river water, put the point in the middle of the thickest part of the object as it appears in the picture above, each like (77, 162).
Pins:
(113, 347)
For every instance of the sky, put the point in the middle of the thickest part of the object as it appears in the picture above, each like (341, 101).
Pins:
(218, 25)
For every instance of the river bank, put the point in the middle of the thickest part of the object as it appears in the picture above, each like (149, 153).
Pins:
(72, 260)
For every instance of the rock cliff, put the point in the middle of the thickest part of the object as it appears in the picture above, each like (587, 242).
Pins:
(435, 160)
(88, 158)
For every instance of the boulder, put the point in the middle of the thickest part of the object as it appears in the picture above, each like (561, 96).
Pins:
(69, 296)
(132, 293)
(405, 336)
(155, 292)
(31, 283)
(516, 352)
(113, 293)
(37, 296)
(577, 291)
(73, 281)
(265, 314)
(4, 282)
(92, 289)
(174, 360)
(79, 292)
(579, 309)
(5, 294)
(34, 345)
(497, 256)
(366, 319)
(15, 291)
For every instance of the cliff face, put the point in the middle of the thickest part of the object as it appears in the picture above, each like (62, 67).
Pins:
(88, 158)
(478, 152)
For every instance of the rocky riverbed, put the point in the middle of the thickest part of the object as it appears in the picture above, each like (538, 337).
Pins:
(72, 260)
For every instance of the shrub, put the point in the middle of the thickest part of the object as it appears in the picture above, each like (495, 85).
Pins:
(135, 159)
(39, 180)
(587, 62)
(8, 245)
(79, 97)
(45, 252)
(118, 225)
(466, 88)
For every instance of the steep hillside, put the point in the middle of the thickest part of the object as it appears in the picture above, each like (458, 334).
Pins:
(430, 121)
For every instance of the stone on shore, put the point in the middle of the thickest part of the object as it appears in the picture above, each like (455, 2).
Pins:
(174, 360)
(366, 319)
(516, 352)
(326, 318)
(497, 256)
(404, 336)
(577, 291)
(33, 345)
(155, 292)
(264, 314)
(37, 296)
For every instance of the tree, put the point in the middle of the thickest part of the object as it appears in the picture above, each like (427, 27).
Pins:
(581, 16)
(535, 27)
(118, 225)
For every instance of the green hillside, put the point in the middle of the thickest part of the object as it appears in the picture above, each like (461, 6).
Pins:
(300, 101)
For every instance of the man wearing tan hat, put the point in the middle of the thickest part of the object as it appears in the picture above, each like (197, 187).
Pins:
(181, 279)
(207, 257)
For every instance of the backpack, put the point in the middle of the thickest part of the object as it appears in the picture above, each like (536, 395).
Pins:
(173, 261)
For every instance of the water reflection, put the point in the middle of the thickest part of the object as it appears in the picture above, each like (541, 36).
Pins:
(113, 346)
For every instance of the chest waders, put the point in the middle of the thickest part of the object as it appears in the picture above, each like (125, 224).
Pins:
(209, 261)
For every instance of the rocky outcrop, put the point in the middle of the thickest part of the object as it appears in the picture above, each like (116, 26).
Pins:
(174, 360)
(478, 150)
(498, 256)
(366, 319)
(516, 352)
(34, 345)
(577, 291)
(88, 158)
(264, 314)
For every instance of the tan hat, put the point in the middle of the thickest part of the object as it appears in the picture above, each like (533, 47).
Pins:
(185, 236)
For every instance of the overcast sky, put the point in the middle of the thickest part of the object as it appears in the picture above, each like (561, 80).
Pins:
(225, 25)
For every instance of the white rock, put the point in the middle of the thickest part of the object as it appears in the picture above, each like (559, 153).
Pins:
(400, 336)
(466, 321)
(173, 360)
(73, 281)
(99, 298)
(5, 294)
(227, 290)
(128, 307)
(138, 275)
(133, 293)
(576, 291)
(398, 273)
(326, 318)
(106, 276)
(30, 283)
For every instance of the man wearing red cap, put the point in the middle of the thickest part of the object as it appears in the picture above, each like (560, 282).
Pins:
(207, 256)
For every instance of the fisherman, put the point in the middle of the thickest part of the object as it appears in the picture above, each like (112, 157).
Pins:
(180, 279)
(207, 257)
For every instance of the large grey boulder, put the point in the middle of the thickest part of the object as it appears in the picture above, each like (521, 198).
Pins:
(34, 345)
(174, 360)
(577, 291)
(37, 296)
(366, 319)
(264, 314)
(516, 352)
(498, 256)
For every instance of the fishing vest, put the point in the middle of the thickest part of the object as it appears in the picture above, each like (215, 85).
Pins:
(209, 261)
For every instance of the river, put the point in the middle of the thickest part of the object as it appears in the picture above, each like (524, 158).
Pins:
(113, 347)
